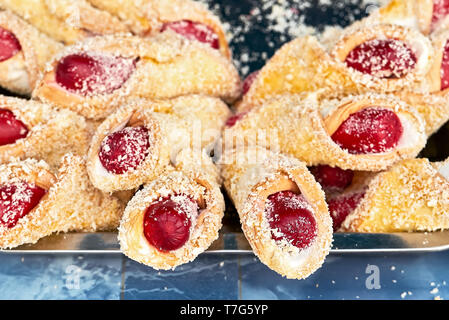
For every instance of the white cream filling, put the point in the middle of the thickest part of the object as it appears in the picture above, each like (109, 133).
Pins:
(410, 137)
(16, 74)
(410, 22)
(327, 109)
(423, 52)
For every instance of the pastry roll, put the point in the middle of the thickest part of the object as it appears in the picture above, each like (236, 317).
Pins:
(437, 79)
(430, 96)
(367, 132)
(176, 216)
(64, 20)
(137, 142)
(96, 76)
(35, 203)
(384, 57)
(425, 15)
(282, 209)
(418, 14)
(30, 129)
(302, 65)
(188, 18)
(23, 53)
(411, 196)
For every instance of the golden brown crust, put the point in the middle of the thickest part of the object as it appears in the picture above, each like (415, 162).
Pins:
(414, 39)
(192, 175)
(64, 20)
(44, 141)
(71, 203)
(147, 16)
(411, 196)
(185, 122)
(432, 81)
(20, 73)
(302, 127)
(408, 13)
(250, 176)
(164, 70)
(302, 65)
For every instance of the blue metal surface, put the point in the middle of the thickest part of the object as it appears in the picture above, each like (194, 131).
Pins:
(223, 276)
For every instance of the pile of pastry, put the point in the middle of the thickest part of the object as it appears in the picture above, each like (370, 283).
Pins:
(125, 122)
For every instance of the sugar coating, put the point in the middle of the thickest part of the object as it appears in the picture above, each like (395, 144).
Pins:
(44, 123)
(298, 126)
(71, 202)
(191, 122)
(193, 174)
(250, 175)
(163, 70)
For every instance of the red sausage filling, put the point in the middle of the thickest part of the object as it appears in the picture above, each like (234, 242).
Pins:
(234, 119)
(247, 83)
(370, 130)
(17, 200)
(340, 207)
(87, 75)
(9, 45)
(382, 58)
(125, 149)
(332, 178)
(440, 10)
(194, 31)
(445, 67)
(290, 218)
(167, 224)
(11, 129)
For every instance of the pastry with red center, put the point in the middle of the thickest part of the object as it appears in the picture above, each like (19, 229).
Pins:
(431, 99)
(361, 133)
(30, 129)
(24, 51)
(98, 75)
(291, 219)
(136, 143)
(35, 202)
(188, 18)
(176, 216)
(384, 57)
(93, 75)
(282, 209)
(125, 149)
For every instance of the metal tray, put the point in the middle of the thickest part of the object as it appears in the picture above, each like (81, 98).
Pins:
(259, 39)
(235, 242)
